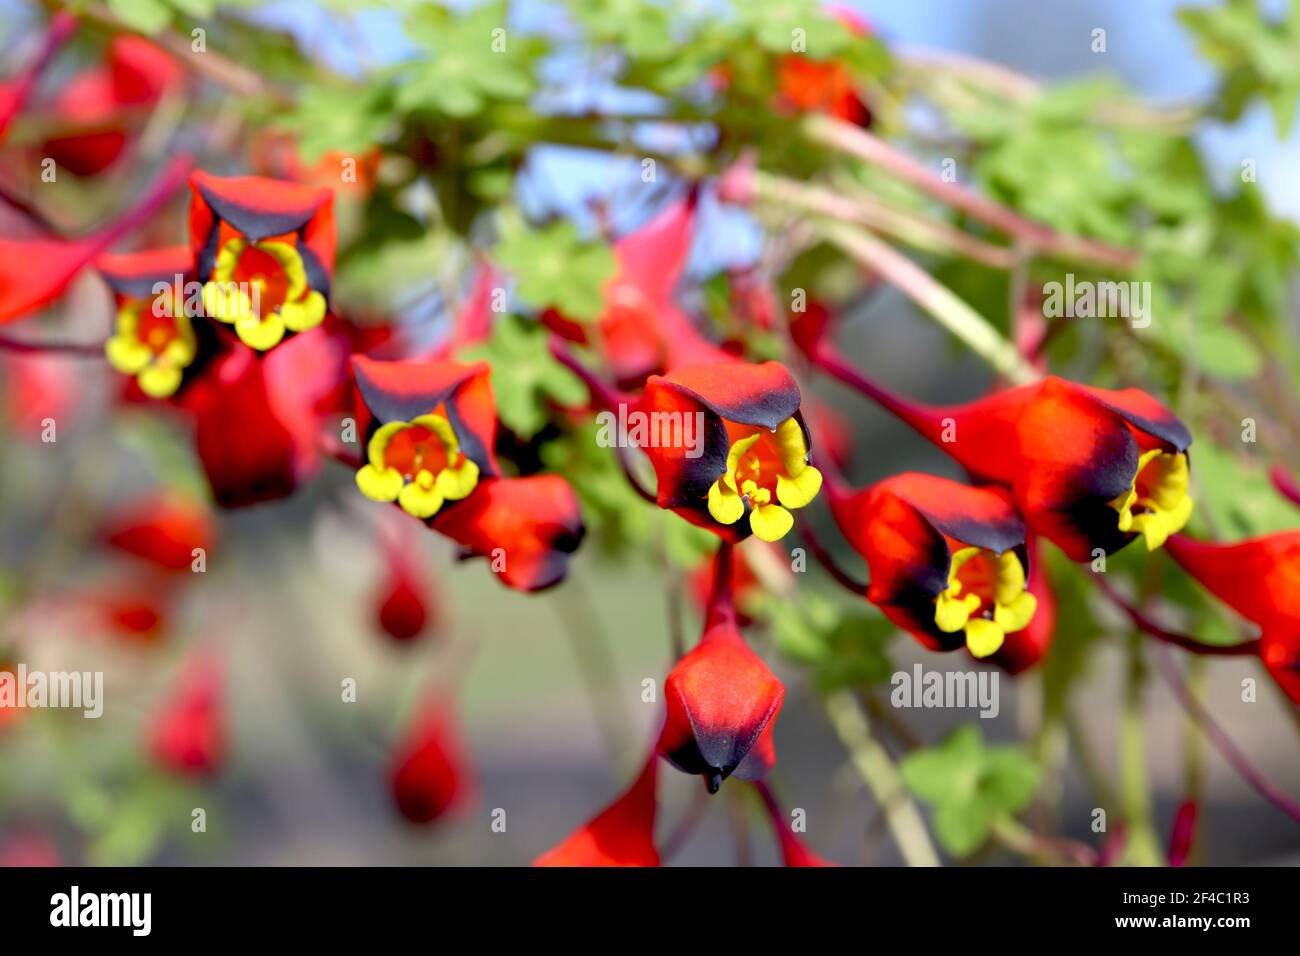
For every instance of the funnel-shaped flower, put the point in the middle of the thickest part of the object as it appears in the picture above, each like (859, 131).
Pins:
(620, 835)
(153, 338)
(265, 253)
(722, 700)
(188, 734)
(948, 562)
(431, 429)
(729, 447)
(430, 775)
(1090, 468)
(1260, 580)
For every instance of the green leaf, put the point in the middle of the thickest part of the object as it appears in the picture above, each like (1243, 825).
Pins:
(147, 16)
(554, 268)
(526, 377)
(970, 786)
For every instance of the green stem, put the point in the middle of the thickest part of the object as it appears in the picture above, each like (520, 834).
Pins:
(935, 298)
(1143, 848)
(878, 772)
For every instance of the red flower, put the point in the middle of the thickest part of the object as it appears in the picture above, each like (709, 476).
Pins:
(1089, 468)
(1260, 580)
(948, 562)
(430, 429)
(746, 464)
(136, 610)
(107, 103)
(257, 419)
(620, 835)
(188, 734)
(153, 338)
(265, 253)
(430, 775)
(163, 528)
(722, 701)
(824, 86)
(642, 330)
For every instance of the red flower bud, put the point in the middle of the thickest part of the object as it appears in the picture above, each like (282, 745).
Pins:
(430, 775)
(722, 700)
(188, 734)
(1260, 580)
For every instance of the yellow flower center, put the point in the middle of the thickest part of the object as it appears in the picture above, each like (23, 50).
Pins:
(156, 349)
(1157, 503)
(985, 598)
(760, 467)
(261, 289)
(418, 464)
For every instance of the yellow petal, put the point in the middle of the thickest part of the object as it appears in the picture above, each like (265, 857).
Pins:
(380, 484)
(442, 429)
(159, 381)
(456, 483)
(226, 302)
(725, 504)
(379, 442)
(419, 501)
(738, 451)
(983, 637)
(1156, 526)
(792, 448)
(128, 320)
(1016, 615)
(954, 565)
(1010, 578)
(291, 262)
(800, 490)
(224, 266)
(771, 522)
(951, 612)
(261, 334)
(305, 314)
(127, 354)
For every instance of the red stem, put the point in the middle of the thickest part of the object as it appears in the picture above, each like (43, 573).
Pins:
(1186, 642)
(923, 418)
(82, 349)
(1217, 736)
(722, 605)
(173, 178)
(826, 561)
(1285, 484)
(606, 396)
